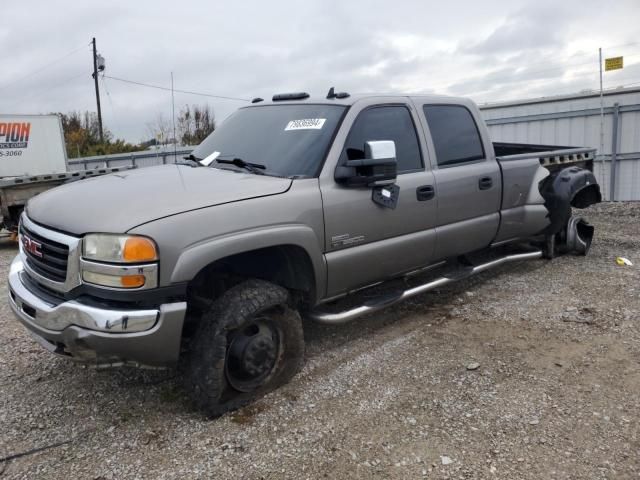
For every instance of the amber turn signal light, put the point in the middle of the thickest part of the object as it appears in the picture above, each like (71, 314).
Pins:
(139, 249)
(132, 281)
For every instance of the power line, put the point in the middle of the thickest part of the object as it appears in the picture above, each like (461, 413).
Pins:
(44, 67)
(113, 110)
(176, 90)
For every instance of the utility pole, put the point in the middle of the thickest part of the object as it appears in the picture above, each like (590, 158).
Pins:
(95, 79)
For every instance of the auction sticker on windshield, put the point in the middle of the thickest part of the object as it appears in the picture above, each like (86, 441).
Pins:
(305, 124)
(206, 161)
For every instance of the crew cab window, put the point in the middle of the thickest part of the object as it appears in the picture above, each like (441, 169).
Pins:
(385, 123)
(455, 134)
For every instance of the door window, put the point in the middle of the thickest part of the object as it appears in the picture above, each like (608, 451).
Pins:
(385, 123)
(454, 133)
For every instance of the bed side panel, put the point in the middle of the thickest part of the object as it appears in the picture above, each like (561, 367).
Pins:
(523, 212)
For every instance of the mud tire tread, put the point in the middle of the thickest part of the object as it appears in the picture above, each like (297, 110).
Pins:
(203, 366)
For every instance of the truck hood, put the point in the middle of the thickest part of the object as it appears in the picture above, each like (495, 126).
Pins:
(118, 202)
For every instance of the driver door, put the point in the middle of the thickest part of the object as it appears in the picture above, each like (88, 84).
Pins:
(365, 242)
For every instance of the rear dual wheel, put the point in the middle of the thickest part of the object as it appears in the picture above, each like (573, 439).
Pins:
(247, 344)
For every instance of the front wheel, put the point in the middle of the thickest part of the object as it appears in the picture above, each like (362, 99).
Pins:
(248, 343)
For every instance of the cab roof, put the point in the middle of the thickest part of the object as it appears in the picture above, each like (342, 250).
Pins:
(349, 100)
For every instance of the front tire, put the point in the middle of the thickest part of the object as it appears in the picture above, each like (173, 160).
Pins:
(248, 343)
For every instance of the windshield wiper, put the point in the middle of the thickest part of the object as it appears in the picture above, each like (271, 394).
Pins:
(189, 160)
(238, 162)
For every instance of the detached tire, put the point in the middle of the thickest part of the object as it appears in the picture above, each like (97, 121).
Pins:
(249, 343)
(577, 236)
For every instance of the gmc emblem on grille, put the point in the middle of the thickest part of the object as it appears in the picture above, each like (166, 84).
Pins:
(31, 246)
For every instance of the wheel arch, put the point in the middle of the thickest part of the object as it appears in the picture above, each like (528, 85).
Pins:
(566, 188)
(287, 256)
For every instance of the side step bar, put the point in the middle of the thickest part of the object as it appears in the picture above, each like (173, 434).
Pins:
(386, 301)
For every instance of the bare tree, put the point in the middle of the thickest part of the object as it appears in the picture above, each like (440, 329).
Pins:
(160, 130)
(195, 123)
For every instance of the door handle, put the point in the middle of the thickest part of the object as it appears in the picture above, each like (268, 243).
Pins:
(425, 192)
(485, 183)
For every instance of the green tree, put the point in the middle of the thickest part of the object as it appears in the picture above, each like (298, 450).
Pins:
(82, 136)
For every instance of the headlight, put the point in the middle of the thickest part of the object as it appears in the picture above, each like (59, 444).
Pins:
(119, 261)
(119, 248)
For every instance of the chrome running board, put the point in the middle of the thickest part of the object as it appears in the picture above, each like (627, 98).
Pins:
(388, 300)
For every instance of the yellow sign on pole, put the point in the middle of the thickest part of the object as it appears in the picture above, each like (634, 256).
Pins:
(614, 63)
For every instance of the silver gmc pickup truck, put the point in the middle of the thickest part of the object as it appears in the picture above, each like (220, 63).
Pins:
(289, 207)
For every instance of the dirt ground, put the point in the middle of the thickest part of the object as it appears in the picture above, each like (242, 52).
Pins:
(556, 391)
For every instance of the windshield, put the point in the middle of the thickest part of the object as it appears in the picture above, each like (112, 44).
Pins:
(289, 140)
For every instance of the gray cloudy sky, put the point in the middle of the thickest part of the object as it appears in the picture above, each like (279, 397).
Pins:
(489, 50)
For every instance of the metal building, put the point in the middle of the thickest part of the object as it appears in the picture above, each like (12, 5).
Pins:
(574, 120)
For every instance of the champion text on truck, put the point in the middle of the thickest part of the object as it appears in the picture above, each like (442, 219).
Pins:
(13, 135)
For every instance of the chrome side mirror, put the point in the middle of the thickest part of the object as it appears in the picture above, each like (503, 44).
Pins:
(378, 167)
(380, 149)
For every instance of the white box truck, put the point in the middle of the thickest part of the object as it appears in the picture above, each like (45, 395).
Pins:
(33, 158)
(31, 145)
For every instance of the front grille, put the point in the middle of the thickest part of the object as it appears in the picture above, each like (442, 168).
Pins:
(54, 260)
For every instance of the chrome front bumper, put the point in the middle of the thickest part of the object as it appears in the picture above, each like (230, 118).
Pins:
(101, 336)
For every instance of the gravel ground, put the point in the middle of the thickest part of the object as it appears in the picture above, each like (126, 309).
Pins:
(529, 371)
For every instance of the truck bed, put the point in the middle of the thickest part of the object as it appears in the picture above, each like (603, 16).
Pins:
(520, 167)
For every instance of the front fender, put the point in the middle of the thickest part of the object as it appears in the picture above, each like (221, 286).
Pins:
(203, 253)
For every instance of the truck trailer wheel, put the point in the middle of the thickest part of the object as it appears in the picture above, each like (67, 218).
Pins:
(248, 343)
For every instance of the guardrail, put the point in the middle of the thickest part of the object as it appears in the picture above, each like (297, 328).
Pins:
(137, 159)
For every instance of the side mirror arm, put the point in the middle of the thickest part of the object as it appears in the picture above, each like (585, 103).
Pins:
(369, 162)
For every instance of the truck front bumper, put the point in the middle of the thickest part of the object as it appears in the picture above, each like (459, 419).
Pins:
(99, 336)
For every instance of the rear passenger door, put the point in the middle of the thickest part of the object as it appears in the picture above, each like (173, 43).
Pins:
(467, 177)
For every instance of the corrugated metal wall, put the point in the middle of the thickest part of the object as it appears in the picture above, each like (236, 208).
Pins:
(575, 121)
